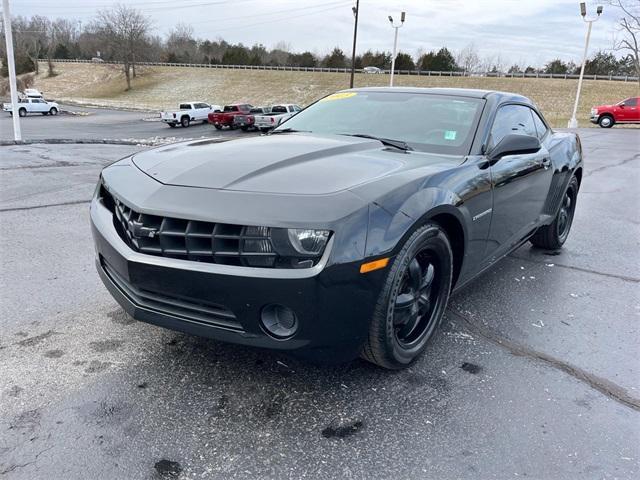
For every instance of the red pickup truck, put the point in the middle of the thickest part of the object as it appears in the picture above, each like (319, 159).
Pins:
(225, 118)
(626, 111)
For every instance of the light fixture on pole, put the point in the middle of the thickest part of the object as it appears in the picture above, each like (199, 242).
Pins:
(395, 45)
(355, 10)
(8, 36)
(573, 122)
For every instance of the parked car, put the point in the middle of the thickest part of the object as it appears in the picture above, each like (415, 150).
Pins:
(278, 114)
(338, 234)
(33, 105)
(372, 70)
(626, 111)
(189, 112)
(226, 117)
(247, 121)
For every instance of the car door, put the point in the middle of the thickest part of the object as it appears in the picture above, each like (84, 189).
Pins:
(201, 112)
(39, 105)
(629, 111)
(520, 182)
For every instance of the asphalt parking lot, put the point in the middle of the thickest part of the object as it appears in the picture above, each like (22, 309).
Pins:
(535, 372)
(100, 123)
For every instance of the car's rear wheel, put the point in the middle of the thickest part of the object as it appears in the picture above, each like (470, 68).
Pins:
(185, 121)
(412, 301)
(554, 235)
(53, 111)
(606, 121)
(22, 112)
(218, 127)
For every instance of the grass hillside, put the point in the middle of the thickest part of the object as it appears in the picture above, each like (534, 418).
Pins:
(158, 88)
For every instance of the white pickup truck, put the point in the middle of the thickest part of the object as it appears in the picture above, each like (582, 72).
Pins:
(189, 112)
(278, 114)
(33, 105)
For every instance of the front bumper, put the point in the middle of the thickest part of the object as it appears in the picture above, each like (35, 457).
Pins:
(333, 303)
(594, 118)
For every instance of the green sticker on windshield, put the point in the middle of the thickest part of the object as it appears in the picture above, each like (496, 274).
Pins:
(450, 134)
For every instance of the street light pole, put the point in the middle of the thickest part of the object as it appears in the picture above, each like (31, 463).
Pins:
(395, 45)
(573, 122)
(8, 36)
(356, 11)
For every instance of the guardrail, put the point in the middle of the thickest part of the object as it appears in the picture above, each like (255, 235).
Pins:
(426, 73)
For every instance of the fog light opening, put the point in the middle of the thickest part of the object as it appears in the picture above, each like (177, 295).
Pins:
(279, 321)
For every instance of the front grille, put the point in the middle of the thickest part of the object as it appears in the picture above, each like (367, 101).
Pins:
(199, 312)
(219, 243)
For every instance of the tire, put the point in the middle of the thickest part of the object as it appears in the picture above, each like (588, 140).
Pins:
(606, 121)
(45, 113)
(53, 111)
(185, 122)
(264, 130)
(553, 236)
(218, 127)
(412, 301)
(244, 128)
(22, 112)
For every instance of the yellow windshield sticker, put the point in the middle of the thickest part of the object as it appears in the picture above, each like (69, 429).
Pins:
(339, 96)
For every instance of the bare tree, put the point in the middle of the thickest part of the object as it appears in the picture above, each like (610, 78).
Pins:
(468, 58)
(124, 29)
(629, 28)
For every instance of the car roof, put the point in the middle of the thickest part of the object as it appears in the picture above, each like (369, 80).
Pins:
(455, 92)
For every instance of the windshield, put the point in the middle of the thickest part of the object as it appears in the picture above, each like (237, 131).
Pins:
(425, 122)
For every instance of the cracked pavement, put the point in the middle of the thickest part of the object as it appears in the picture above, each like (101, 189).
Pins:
(535, 371)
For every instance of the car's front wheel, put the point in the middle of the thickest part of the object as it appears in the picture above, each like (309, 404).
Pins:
(606, 121)
(412, 301)
(553, 236)
(53, 111)
(22, 112)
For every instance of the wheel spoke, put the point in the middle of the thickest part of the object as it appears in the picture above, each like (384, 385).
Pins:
(415, 275)
(410, 326)
(427, 280)
(404, 306)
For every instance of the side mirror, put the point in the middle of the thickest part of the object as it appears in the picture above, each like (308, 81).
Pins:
(622, 104)
(513, 144)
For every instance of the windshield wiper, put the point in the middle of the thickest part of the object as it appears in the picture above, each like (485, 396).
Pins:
(287, 130)
(399, 144)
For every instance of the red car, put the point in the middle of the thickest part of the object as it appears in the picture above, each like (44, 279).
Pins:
(627, 111)
(229, 112)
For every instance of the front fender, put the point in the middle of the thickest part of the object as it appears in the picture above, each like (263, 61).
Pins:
(390, 222)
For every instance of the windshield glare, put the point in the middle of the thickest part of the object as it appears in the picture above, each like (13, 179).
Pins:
(426, 122)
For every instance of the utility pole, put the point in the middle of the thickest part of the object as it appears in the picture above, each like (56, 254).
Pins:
(356, 11)
(395, 45)
(573, 122)
(8, 36)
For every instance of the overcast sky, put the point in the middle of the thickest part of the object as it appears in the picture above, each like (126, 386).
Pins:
(522, 31)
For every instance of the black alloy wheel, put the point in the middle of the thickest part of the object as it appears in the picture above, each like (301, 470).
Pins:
(553, 236)
(413, 299)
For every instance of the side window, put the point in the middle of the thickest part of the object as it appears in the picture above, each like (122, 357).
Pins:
(512, 119)
(631, 102)
(201, 105)
(541, 128)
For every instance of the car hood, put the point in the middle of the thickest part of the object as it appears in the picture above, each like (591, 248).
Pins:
(285, 164)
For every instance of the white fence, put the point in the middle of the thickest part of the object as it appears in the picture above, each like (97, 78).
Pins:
(426, 73)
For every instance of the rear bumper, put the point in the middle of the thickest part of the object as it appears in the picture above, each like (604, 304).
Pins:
(333, 304)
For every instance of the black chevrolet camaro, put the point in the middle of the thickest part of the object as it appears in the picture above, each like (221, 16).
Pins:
(344, 231)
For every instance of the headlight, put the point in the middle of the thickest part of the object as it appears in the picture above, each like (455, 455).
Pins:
(307, 241)
(594, 111)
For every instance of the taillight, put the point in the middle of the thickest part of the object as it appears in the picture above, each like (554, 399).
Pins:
(273, 120)
(174, 115)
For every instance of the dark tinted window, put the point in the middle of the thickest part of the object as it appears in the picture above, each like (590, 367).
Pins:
(231, 108)
(201, 105)
(512, 119)
(279, 109)
(631, 102)
(185, 106)
(541, 128)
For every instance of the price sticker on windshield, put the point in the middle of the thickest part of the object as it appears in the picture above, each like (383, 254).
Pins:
(339, 96)
(450, 134)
